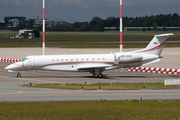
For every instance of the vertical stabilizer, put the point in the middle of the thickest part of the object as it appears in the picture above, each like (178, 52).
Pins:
(156, 45)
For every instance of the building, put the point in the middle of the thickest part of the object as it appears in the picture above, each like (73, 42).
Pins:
(25, 34)
(48, 22)
(38, 22)
(6, 19)
(111, 28)
(151, 28)
(15, 22)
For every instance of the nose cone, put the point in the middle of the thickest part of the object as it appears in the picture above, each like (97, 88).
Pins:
(14, 66)
(10, 67)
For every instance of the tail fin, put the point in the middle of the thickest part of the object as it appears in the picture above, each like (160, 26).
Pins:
(156, 45)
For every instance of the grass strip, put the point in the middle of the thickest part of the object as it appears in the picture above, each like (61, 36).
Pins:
(92, 110)
(105, 86)
(82, 45)
(5, 37)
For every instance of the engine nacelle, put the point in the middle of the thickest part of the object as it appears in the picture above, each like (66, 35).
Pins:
(129, 57)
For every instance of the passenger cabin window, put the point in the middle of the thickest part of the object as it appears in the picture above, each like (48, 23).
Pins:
(62, 60)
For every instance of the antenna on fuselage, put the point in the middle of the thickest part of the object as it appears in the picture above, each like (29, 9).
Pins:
(43, 27)
(121, 37)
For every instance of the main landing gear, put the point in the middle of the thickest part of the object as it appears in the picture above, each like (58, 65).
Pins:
(100, 75)
(18, 75)
(97, 73)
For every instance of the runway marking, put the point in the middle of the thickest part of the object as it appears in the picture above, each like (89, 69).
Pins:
(85, 93)
(73, 95)
(30, 79)
(8, 77)
(176, 53)
(73, 50)
(6, 89)
(93, 51)
(40, 49)
(9, 94)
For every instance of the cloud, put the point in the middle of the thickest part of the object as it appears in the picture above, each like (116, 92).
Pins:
(17, 2)
(21, 3)
(152, 3)
(81, 10)
(86, 3)
(74, 3)
(71, 1)
(89, 3)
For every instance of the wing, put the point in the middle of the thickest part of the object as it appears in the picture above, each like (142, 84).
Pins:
(91, 67)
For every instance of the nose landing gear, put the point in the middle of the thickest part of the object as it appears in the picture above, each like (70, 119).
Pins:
(18, 75)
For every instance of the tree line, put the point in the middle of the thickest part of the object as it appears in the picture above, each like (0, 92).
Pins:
(98, 24)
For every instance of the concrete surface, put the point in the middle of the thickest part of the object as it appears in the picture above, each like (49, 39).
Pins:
(11, 87)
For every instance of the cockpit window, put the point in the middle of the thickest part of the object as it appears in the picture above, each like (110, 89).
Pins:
(24, 59)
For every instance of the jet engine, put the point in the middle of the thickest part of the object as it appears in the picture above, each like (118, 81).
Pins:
(126, 57)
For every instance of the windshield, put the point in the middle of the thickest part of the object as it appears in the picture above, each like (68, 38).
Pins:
(24, 59)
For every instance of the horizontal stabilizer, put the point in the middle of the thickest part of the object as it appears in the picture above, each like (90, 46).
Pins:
(163, 35)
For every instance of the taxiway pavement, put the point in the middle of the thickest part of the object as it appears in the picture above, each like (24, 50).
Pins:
(11, 87)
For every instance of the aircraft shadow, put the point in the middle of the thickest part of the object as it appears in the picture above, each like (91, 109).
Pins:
(104, 77)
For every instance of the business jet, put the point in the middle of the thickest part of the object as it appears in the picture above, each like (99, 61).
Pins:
(93, 63)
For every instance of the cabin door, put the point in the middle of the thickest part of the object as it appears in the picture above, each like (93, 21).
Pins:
(36, 61)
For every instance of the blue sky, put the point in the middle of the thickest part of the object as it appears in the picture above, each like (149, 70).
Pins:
(85, 10)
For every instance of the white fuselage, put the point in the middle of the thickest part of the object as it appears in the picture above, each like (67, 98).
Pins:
(94, 63)
(87, 62)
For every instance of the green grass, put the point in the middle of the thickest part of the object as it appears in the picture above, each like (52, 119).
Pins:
(7, 35)
(92, 110)
(105, 86)
(78, 38)
(81, 37)
(82, 45)
(51, 37)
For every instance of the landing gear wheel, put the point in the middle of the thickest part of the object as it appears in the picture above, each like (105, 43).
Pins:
(96, 76)
(100, 75)
(18, 75)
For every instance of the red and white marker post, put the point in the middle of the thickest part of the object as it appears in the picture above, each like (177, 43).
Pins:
(121, 37)
(43, 27)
